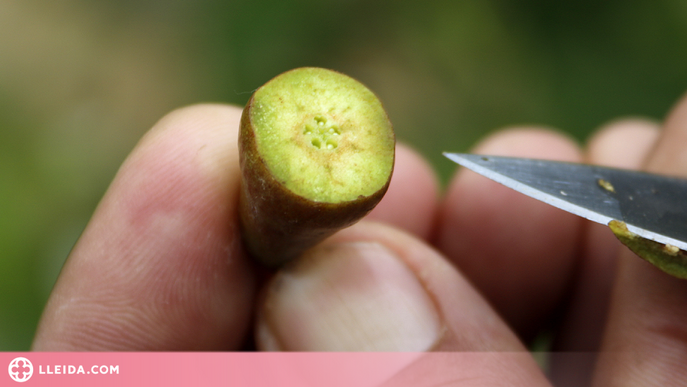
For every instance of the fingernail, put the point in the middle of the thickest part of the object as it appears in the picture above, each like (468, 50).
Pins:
(348, 297)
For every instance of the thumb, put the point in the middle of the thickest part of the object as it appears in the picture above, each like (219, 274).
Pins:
(373, 287)
(349, 295)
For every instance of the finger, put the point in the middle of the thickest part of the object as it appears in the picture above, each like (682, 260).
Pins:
(646, 337)
(470, 369)
(373, 287)
(412, 199)
(620, 144)
(159, 266)
(518, 252)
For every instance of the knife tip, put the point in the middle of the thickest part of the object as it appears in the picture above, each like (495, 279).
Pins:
(455, 157)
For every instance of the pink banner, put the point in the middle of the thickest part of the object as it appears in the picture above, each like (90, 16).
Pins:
(239, 369)
(201, 369)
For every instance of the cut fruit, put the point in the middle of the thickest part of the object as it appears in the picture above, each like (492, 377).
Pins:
(668, 258)
(317, 154)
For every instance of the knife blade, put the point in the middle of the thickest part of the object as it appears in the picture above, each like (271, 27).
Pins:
(652, 206)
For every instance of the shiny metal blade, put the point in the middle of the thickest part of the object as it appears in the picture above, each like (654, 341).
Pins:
(652, 206)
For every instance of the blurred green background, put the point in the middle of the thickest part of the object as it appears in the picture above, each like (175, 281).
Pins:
(81, 81)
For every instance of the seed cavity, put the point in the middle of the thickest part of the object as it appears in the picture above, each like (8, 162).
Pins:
(321, 133)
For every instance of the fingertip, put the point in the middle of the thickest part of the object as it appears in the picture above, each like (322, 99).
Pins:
(159, 265)
(543, 143)
(669, 156)
(518, 251)
(623, 143)
(210, 130)
(412, 198)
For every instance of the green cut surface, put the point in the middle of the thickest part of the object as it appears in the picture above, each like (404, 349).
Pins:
(323, 135)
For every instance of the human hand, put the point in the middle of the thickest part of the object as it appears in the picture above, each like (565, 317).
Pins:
(160, 266)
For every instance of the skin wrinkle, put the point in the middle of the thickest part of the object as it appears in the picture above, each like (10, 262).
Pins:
(190, 245)
(94, 330)
(172, 224)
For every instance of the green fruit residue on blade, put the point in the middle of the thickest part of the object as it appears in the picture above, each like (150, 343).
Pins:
(321, 134)
(668, 258)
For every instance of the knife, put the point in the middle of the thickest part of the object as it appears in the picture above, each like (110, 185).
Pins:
(652, 206)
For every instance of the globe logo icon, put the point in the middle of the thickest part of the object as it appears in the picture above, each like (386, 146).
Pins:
(20, 369)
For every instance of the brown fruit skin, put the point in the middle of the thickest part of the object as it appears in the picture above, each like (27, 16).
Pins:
(278, 225)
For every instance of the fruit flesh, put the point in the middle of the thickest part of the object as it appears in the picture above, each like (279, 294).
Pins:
(321, 135)
(668, 258)
(316, 150)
